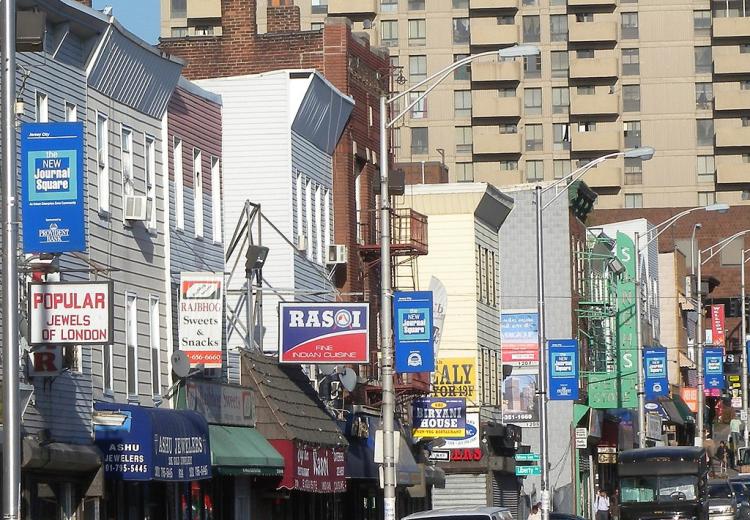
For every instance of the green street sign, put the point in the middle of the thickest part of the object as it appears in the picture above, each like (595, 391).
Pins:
(528, 471)
(527, 457)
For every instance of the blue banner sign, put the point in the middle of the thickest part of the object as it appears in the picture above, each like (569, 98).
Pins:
(52, 187)
(412, 336)
(563, 369)
(140, 443)
(655, 371)
(439, 417)
(713, 368)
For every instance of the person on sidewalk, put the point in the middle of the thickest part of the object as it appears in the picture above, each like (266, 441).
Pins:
(536, 512)
(602, 506)
(722, 455)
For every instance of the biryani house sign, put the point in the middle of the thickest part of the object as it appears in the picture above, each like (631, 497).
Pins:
(71, 313)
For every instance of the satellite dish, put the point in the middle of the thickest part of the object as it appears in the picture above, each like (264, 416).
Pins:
(348, 378)
(180, 364)
(326, 370)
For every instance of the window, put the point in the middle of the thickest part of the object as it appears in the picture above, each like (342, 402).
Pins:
(216, 199)
(461, 33)
(561, 168)
(460, 4)
(328, 202)
(634, 200)
(317, 26)
(506, 92)
(464, 172)
(126, 161)
(42, 108)
(486, 265)
(702, 23)
(417, 68)
(417, 33)
(506, 20)
(198, 191)
(298, 188)
(388, 6)
(530, 3)
(532, 101)
(706, 198)
(586, 126)
(419, 144)
(508, 165)
(560, 100)
(204, 30)
(179, 181)
(102, 159)
(633, 171)
(308, 219)
(632, 134)
(631, 98)
(418, 111)
(584, 17)
(705, 168)
(318, 225)
(561, 136)
(178, 8)
(416, 5)
(532, 66)
(630, 25)
(178, 32)
(534, 171)
(462, 103)
(131, 344)
(319, 6)
(534, 138)
(744, 48)
(631, 62)
(396, 135)
(744, 85)
(704, 96)
(586, 90)
(703, 60)
(531, 29)
(507, 128)
(557, 2)
(705, 132)
(585, 54)
(389, 33)
(150, 163)
(558, 26)
(463, 139)
(462, 73)
(559, 64)
(71, 112)
(155, 346)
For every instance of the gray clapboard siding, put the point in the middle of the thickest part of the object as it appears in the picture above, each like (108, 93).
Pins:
(488, 318)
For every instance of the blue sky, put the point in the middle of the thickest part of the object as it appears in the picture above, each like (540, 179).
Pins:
(138, 16)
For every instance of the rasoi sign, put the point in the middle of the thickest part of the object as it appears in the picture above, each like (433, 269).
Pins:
(70, 313)
(324, 333)
(412, 334)
(52, 187)
(201, 318)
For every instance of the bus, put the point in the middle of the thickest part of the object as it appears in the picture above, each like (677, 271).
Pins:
(663, 483)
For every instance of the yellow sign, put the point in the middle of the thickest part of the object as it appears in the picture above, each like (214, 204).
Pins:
(456, 377)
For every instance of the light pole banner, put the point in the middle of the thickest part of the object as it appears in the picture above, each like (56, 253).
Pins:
(655, 371)
(412, 335)
(52, 187)
(563, 369)
(713, 368)
(201, 318)
(718, 336)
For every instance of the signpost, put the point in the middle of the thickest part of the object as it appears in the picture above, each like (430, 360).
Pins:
(528, 471)
(412, 335)
(527, 457)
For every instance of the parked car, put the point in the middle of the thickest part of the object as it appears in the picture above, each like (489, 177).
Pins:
(463, 513)
(741, 487)
(722, 502)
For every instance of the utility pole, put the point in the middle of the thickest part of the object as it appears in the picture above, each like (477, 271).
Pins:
(11, 408)
(743, 344)
(701, 398)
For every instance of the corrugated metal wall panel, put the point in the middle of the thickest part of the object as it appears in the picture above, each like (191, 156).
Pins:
(506, 492)
(461, 490)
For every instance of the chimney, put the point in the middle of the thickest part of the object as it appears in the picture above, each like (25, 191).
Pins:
(283, 16)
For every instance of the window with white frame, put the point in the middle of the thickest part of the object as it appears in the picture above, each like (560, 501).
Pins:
(71, 112)
(150, 150)
(319, 224)
(198, 191)
(534, 171)
(155, 345)
(705, 168)
(465, 172)
(634, 200)
(179, 182)
(216, 199)
(328, 202)
(462, 103)
(102, 159)
(298, 188)
(561, 168)
(308, 218)
(42, 108)
(107, 383)
(131, 343)
(417, 32)
(419, 110)
(706, 198)
(417, 68)
(486, 265)
(389, 33)
(464, 140)
(126, 161)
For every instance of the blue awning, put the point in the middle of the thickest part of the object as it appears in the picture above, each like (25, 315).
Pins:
(140, 443)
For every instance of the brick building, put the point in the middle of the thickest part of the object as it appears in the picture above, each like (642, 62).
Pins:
(349, 63)
(723, 269)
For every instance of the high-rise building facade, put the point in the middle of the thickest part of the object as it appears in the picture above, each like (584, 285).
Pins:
(612, 74)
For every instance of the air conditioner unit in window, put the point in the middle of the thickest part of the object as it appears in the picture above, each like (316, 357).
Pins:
(337, 254)
(302, 243)
(135, 207)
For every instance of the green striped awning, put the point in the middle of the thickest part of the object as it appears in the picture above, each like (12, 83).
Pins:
(237, 450)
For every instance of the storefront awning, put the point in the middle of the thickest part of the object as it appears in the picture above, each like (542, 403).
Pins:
(683, 409)
(666, 409)
(408, 472)
(237, 450)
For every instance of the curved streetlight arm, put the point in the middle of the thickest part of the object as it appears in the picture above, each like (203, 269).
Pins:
(662, 227)
(717, 248)
(574, 176)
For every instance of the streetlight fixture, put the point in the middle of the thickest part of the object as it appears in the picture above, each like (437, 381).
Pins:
(712, 251)
(651, 236)
(644, 153)
(386, 290)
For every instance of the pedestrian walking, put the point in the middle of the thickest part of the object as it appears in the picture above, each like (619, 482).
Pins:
(735, 429)
(722, 455)
(731, 452)
(602, 506)
(536, 512)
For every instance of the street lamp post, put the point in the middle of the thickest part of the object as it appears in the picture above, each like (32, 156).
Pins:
(743, 340)
(386, 290)
(711, 251)
(642, 153)
(651, 236)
